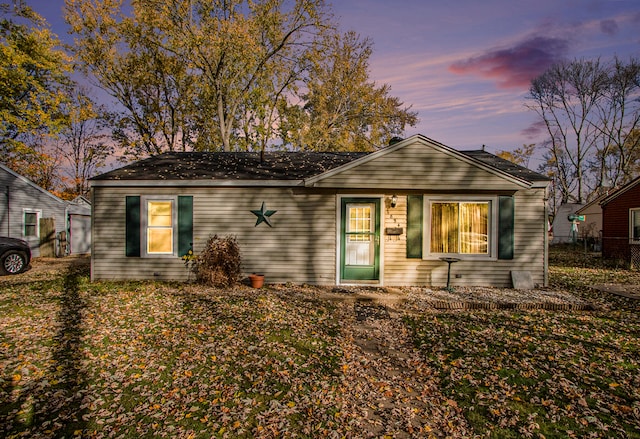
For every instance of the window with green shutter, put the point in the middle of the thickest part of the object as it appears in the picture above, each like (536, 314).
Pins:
(471, 227)
(158, 226)
(414, 226)
(185, 224)
(506, 226)
(132, 226)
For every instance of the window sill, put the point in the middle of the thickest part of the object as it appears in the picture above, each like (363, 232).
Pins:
(462, 257)
(159, 256)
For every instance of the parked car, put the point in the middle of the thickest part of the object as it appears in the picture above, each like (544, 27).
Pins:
(15, 255)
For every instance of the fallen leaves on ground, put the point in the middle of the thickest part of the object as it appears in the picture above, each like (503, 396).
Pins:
(538, 374)
(156, 360)
(145, 359)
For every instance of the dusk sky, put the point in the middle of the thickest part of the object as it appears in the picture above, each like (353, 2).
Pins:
(466, 65)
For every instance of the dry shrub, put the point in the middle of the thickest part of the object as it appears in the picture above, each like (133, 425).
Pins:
(219, 262)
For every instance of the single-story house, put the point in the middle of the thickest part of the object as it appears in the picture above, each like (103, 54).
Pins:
(592, 212)
(621, 224)
(384, 218)
(591, 227)
(29, 212)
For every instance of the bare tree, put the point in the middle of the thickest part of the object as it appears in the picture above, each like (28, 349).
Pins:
(619, 124)
(591, 111)
(84, 145)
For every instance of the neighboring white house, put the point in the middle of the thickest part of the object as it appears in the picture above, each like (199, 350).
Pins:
(565, 230)
(24, 205)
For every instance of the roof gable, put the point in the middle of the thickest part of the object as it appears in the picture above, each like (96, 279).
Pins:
(629, 186)
(30, 183)
(417, 153)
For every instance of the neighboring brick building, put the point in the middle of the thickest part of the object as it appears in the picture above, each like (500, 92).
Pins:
(621, 224)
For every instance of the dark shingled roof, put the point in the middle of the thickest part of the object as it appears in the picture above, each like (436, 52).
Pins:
(276, 166)
(505, 165)
(231, 166)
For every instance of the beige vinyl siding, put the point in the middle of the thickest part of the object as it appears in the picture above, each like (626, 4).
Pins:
(300, 247)
(418, 166)
(529, 251)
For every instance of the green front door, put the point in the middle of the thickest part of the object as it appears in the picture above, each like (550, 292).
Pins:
(360, 239)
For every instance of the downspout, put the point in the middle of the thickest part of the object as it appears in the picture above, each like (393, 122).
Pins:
(8, 211)
(546, 238)
(67, 228)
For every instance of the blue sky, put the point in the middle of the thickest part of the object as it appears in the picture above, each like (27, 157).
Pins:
(465, 65)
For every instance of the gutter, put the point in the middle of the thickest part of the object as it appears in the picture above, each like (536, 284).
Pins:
(8, 211)
(197, 183)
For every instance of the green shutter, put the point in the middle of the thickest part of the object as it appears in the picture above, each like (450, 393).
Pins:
(185, 224)
(414, 226)
(505, 227)
(132, 226)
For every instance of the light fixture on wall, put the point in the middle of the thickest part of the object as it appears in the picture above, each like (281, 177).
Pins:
(394, 200)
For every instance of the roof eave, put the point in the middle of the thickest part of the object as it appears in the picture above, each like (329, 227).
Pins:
(539, 185)
(621, 191)
(196, 183)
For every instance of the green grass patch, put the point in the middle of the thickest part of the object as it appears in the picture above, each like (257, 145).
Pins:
(541, 373)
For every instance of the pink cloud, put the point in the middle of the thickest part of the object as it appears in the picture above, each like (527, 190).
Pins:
(515, 66)
(534, 130)
(609, 27)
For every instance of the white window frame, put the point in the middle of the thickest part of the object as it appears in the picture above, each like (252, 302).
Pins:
(492, 227)
(38, 213)
(633, 212)
(144, 218)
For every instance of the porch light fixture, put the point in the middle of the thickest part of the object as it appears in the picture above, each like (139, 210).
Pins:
(394, 200)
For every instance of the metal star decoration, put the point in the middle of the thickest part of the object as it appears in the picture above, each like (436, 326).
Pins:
(263, 215)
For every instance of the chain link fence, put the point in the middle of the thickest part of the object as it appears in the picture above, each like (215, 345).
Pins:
(635, 256)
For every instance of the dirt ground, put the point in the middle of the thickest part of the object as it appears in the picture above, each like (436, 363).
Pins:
(45, 268)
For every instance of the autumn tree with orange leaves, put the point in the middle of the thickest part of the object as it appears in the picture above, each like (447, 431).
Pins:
(33, 88)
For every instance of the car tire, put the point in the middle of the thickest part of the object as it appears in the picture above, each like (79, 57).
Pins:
(13, 262)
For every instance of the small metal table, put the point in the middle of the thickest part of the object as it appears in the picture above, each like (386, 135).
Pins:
(449, 261)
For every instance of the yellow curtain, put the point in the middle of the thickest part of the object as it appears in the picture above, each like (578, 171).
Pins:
(444, 228)
(459, 228)
(473, 228)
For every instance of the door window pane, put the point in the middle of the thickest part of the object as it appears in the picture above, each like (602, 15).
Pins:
(360, 233)
(359, 225)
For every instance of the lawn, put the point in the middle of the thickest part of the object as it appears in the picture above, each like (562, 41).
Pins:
(145, 359)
